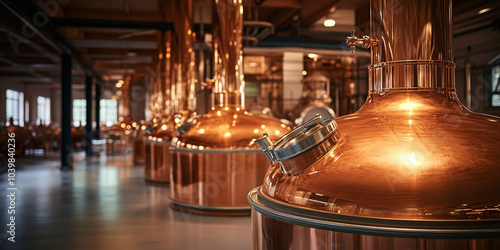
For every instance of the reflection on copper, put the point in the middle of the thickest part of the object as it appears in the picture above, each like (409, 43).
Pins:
(183, 57)
(138, 150)
(216, 162)
(272, 234)
(119, 136)
(158, 156)
(215, 159)
(412, 169)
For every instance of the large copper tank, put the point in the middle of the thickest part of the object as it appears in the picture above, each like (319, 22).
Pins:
(215, 160)
(412, 169)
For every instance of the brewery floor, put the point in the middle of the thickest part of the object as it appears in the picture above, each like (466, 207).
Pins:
(104, 203)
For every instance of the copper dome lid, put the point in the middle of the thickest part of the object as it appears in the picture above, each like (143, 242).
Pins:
(227, 128)
(412, 162)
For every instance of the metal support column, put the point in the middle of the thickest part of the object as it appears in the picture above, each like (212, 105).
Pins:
(97, 133)
(88, 125)
(66, 161)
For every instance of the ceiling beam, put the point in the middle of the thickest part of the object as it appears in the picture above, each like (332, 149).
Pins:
(114, 44)
(111, 24)
(23, 9)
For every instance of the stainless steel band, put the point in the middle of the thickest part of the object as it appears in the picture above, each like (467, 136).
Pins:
(299, 140)
(432, 229)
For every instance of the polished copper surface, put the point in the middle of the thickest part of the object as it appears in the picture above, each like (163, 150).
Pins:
(158, 169)
(183, 70)
(227, 28)
(228, 128)
(215, 181)
(116, 146)
(138, 150)
(140, 135)
(411, 30)
(272, 234)
(157, 154)
(216, 161)
(405, 154)
(412, 159)
(215, 158)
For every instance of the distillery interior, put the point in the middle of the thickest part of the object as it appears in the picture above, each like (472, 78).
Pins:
(250, 124)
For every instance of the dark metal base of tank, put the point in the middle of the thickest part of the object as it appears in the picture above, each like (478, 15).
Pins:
(205, 210)
(155, 181)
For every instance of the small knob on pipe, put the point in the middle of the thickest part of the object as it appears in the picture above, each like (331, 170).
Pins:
(365, 42)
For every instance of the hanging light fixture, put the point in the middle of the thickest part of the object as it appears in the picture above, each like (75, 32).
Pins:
(412, 169)
(329, 22)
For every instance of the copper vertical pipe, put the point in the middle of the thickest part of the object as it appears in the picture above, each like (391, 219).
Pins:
(184, 57)
(227, 27)
(157, 167)
(428, 42)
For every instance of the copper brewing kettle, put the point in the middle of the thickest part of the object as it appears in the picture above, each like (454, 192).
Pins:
(412, 169)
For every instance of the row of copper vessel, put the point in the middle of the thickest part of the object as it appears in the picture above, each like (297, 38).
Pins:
(210, 160)
(412, 169)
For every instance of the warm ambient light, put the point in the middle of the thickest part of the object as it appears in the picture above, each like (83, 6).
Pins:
(312, 55)
(304, 72)
(483, 11)
(329, 22)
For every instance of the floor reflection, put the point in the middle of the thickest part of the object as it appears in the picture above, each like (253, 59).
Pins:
(104, 203)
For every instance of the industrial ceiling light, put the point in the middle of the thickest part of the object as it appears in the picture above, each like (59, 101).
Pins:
(412, 169)
(329, 22)
(483, 11)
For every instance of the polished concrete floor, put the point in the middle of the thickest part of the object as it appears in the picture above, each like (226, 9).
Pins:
(104, 203)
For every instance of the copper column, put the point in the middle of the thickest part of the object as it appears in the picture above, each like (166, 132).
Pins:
(215, 160)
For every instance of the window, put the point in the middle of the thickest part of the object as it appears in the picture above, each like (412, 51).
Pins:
(43, 110)
(495, 86)
(14, 107)
(79, 112)
(109, 111)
